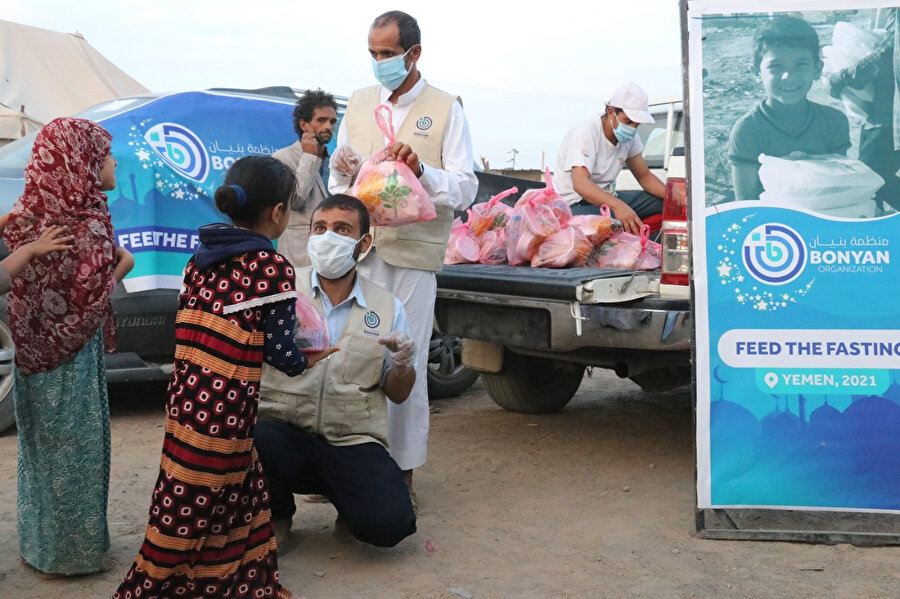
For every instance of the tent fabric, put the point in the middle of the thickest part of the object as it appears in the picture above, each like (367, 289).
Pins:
(56, 74)
(15, 124)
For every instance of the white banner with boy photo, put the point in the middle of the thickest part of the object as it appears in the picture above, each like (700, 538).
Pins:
(794, 155)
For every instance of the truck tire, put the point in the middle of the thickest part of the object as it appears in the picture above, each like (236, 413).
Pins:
(447, 377)
(7, 352)
(533, 385)
(662, 379)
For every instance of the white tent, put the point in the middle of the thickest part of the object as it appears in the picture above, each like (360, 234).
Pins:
(56, 74)
(15, 124)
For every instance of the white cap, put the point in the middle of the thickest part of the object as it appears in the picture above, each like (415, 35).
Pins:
(633, 100)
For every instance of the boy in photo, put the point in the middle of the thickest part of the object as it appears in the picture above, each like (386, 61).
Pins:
(786, 60)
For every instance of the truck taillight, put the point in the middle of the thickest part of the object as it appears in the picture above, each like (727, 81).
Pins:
(675, 202)
(674, 234)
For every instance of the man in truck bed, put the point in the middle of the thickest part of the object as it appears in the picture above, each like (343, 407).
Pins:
(593, 153)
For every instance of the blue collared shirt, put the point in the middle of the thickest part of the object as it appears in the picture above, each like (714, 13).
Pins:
(337, 315)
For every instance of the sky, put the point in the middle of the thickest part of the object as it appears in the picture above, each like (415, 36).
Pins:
(525, 75)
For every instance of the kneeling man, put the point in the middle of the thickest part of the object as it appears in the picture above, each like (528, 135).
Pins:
(324, 432)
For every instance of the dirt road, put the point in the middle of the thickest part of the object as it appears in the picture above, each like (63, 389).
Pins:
(596, 501)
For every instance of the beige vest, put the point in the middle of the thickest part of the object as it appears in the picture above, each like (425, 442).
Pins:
(417, 245)
(340, 398)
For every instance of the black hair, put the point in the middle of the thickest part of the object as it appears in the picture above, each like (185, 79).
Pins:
(307, 104)
(784, 31)
(349, 203)
(407, 25)
(265, 182)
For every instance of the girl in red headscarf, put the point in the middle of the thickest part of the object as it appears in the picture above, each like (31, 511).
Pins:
(61, 321)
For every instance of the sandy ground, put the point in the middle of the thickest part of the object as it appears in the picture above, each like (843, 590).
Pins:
(596, 501)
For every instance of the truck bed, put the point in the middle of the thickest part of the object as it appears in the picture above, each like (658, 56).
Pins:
(525, 281)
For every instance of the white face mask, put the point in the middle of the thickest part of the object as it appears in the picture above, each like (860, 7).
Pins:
(331, 254)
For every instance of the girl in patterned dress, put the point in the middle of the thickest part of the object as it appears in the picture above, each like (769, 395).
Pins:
(62, 321)
(209, 533)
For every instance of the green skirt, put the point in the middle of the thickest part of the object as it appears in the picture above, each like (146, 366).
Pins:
(62, 417)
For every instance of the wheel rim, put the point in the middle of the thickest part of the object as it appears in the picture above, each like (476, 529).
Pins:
(445, 356)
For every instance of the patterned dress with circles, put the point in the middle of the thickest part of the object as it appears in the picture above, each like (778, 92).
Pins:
(209, 533)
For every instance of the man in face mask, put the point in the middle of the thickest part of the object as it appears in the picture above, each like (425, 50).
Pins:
(325, 432)
(433, 140)
(593, 153)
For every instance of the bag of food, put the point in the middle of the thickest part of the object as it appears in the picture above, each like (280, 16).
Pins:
(490, 215)
(566, 247)
(388, 187)
(550, 198)
(462, 247)
(650, 257)
(619, 250)
(849, 45)
(817, 182)
(311, 334)
(595, 227)
(530, 223)
(493, 247)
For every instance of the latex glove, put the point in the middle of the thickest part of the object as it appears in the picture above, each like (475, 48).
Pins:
(403, 350)
(346, 160)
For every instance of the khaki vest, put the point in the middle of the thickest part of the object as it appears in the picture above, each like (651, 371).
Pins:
(340, 398)
(417, 245)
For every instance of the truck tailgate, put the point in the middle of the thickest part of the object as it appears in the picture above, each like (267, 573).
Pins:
(586, 285)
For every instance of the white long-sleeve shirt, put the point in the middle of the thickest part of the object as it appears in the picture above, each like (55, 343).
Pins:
(454, 185)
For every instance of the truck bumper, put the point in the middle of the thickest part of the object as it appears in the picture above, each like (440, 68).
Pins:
(631, 337)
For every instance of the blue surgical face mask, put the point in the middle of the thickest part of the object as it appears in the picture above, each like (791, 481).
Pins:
(623, 132)
(391, 72)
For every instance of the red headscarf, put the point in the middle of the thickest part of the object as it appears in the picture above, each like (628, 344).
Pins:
(60, 299)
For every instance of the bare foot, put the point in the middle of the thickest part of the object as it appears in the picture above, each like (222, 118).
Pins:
(106, 564)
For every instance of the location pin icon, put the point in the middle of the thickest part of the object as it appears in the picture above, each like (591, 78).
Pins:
(771, 379)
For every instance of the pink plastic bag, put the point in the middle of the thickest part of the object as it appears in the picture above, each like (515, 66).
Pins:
(550, 198)
(650, 257)
(462, 247)
(493, 247)
(563, 248)
(620, 250)
(311, 334)
(595, 227)
(530, 223)
(490, 215)
(388, 188)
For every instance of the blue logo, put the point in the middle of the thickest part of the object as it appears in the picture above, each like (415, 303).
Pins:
(424, 123)
(372, 320)
(774, 254)
(181, 149)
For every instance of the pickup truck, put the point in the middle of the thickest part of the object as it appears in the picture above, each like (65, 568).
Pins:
(532, 332)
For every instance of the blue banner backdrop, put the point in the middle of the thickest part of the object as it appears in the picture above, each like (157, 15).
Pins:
(173, 153)
(798, 323)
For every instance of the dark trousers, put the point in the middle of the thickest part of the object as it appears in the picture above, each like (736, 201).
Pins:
(644, 204)
(362, 481)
